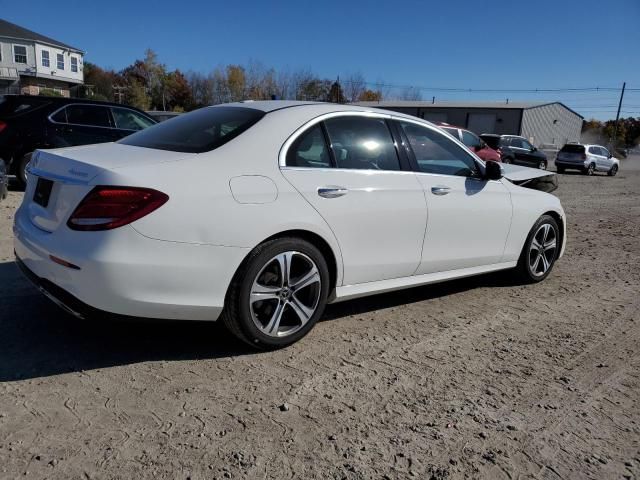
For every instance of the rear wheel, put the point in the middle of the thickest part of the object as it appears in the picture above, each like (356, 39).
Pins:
(278, 294)
(21, 169)
(540, 251)
(507, 160)
(613, 171)
(590, 169)
(542, 165)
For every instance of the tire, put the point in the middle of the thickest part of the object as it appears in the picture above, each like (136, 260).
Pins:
(590, 170)
(21, 169)
(287, 312)
(507, 160)
(560, 169)
(542, 165)
(612, 172)
(533, 270)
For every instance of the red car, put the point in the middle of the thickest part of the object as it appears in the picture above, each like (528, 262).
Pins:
(472, 141)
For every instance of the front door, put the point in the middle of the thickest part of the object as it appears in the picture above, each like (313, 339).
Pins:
(469, 217)
(355, 181)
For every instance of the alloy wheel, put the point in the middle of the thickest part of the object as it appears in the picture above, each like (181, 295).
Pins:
(542, 252)
(285, 294)
(542, 165)
(591, 169)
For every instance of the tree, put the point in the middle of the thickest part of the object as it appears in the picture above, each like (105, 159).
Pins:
(370, 96)
(354, 87)
(177, 92)
(136, 95)
(335, 93)
(100, 82)
(236, 82)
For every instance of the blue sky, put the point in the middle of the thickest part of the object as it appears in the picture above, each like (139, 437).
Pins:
(463, 44)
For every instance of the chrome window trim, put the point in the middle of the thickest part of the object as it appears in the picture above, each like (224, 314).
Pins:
(92, 126)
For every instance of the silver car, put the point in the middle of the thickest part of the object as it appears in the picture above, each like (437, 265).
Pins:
(586, 158)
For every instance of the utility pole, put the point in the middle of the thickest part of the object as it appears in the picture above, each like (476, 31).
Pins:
(615, 129)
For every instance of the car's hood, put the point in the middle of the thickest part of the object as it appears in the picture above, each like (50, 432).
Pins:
(517, 173)
(533, 178)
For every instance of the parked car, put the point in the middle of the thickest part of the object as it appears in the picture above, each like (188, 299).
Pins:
(473, 142)
(516, 149)
(261, 213)
(161, 115)
(586, 158)
(30, 122)
(4, 180)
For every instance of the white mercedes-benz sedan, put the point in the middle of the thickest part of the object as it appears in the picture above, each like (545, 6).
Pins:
(261, 213)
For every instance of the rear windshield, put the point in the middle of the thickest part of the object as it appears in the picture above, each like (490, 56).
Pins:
(200, 131)
(573, 149)
(493, 142)
(11, 105)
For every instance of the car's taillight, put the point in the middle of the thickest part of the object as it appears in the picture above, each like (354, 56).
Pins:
(3, 125)
(584, 156)
(105, 208)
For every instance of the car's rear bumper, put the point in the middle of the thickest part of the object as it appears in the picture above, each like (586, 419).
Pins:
(577, 165)
(122, 272)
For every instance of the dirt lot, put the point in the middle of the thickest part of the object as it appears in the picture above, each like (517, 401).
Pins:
(470, 379)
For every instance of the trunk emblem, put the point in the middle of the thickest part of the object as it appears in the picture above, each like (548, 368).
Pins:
(77, 173)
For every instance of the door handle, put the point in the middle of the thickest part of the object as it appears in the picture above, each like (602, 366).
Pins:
(440, 190)
(332, 192)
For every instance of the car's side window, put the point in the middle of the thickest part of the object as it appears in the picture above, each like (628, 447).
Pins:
(362, 143)
(453, 132)
(516, 142)
(60, 116)
(470, 140)
(309, 150)
(604, 152)
(594, 151)
(129, 120)
(90, 115)
(437, 153)
(526, 145)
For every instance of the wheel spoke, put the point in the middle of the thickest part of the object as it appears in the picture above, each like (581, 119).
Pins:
(263, 292)
(284, 260)
(311, 277)
(303, 312)
(545, 232)
(535, 244)
(274, 321)
(545, 263)
(550, 245)
(534, 267)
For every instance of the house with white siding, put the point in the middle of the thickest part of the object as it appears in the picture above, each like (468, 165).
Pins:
(31, 62)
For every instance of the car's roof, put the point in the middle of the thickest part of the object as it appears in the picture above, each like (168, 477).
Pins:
(326, 107)
(67, 100)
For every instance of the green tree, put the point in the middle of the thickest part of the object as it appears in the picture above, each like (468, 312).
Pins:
(136, 95)
(336, 94)
(236, 82)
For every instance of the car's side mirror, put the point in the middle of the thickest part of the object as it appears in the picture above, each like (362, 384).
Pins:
(533, 149)
(492, 170)
(610, 156)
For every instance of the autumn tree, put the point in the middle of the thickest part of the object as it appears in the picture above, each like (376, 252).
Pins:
(370, 96)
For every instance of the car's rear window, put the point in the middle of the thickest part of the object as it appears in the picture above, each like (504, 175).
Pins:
(11, 106)
(572, 149)
(199, 131)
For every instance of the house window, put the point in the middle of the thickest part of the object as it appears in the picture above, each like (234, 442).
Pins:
(45, 58)
(74, 64)
(60, 61)
(19, 54)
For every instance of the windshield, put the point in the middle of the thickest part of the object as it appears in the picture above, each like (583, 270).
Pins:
(200, 131)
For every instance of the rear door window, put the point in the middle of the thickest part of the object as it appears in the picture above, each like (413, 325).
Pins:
(309, 150)
(362, 143)
(199, 131)
(88, 115)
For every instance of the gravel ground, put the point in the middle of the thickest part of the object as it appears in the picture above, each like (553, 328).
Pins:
(477, 378)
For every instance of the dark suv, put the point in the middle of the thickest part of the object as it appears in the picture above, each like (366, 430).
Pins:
(516, 149)
(29, 122)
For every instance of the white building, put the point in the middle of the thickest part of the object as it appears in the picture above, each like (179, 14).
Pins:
(30, 62)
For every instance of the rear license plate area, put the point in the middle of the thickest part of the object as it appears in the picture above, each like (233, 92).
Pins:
(43, 192)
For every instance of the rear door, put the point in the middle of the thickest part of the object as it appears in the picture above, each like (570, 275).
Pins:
(602, 159)
(350, 169)
(522, 150)
(469, 217)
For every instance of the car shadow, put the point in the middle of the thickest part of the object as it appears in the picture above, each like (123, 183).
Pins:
(39, 339)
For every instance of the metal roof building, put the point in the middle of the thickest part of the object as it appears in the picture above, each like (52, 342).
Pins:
(548, 123)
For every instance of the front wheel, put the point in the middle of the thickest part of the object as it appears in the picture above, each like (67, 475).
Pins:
(613, 171)
(560, 169)
(540, 251)
(542, 165)
(278, 294)
(507, 160)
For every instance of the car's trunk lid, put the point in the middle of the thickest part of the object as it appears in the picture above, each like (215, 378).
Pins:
(59, 179)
